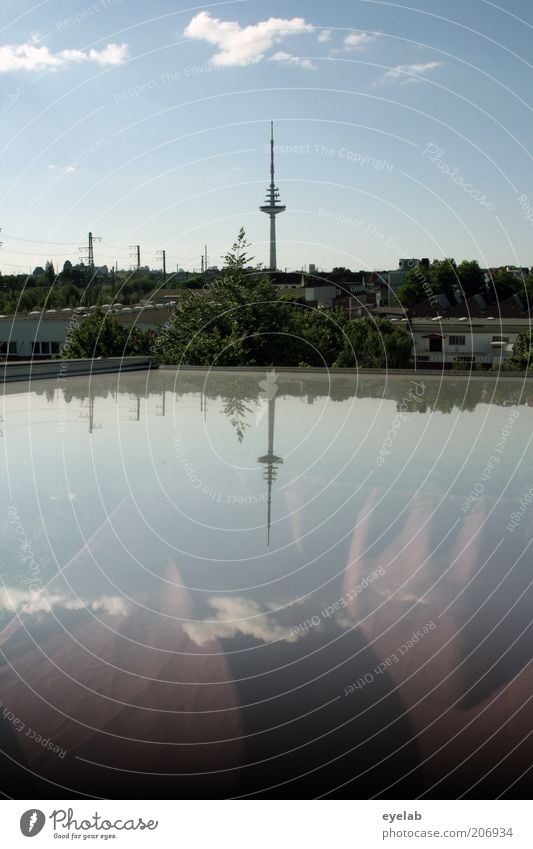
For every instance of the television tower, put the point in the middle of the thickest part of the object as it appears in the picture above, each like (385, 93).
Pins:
(272, 206)
(271, 463)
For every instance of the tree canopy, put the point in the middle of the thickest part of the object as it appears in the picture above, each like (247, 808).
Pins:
(522, 356)
(375, 343)
(101, 335)
(243, 320)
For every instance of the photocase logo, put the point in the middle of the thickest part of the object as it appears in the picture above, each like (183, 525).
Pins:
(32, 822)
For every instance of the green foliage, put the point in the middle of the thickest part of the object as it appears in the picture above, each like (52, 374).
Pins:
(234, 324)
(421, 283)
(443, 277)
(375, 343)
(102, 336)
(471, 278)
(412, 290)
(317, 336)
(73, 287)
(50, 272)
(522, 357)
(242, 320)
(504, 284)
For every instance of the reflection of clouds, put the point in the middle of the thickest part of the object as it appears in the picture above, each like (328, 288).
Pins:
(233, 616)
(402, 595)
(15, 601)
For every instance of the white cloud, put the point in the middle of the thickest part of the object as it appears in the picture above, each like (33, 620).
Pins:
(243, 45)
(403, 74)
(232, 616)
(289, 59)
(113, 54)
(18, 601)
(324, 36)
(33, 56)
(65, 169)
(357, 40)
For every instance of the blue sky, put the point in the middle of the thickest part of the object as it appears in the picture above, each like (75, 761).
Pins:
(403, 130)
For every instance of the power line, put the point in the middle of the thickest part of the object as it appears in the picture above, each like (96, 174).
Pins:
(32, 253)
(39, 241)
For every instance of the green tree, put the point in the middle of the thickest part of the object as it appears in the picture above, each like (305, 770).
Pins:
(317, 336)
(471, 278)
(504, 284)
(412, 290)
(522, 356)
(50, 272)
(240, 319)
(443, 277)
(101, 335)
(375, 343)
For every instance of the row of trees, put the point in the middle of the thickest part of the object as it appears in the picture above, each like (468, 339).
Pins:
(75, 286)
(446, 277)
(242, 321)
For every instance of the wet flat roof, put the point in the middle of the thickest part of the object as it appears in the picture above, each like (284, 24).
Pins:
(235, 584)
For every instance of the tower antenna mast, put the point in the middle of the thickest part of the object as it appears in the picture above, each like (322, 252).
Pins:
(272, 205)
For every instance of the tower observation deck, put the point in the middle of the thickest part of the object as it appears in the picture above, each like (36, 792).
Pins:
(272, 205)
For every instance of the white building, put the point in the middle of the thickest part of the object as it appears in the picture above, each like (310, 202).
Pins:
(41, 335)
(480, 342)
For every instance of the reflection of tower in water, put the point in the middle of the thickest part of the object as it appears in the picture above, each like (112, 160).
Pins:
(90, 414)
(271, 462)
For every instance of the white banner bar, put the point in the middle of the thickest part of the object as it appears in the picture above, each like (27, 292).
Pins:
(267, 824)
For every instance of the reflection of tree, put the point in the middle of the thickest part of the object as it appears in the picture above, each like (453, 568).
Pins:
(449, 394)
(236, 409)
(239, 391)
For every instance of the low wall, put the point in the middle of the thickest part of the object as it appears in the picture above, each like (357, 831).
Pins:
(54, 369)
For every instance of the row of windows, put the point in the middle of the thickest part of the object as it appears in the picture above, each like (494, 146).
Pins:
(45, 347)
(38, 348)
(461, 340)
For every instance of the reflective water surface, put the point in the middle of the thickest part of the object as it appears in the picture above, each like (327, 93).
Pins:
(293, 585)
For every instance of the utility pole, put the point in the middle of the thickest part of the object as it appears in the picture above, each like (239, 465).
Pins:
(88, 252)
(91, 252)
(163, 255)
(206, 257)
(136, 255)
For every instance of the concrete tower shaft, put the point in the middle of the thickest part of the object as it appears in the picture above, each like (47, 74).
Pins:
(272, 205)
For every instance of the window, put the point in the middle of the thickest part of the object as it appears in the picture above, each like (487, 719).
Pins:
(457, 340)
(12, 347)
(465, 359)
(500, 339)
(45, 348)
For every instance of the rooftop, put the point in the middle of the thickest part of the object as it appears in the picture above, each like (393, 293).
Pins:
(199, 560)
